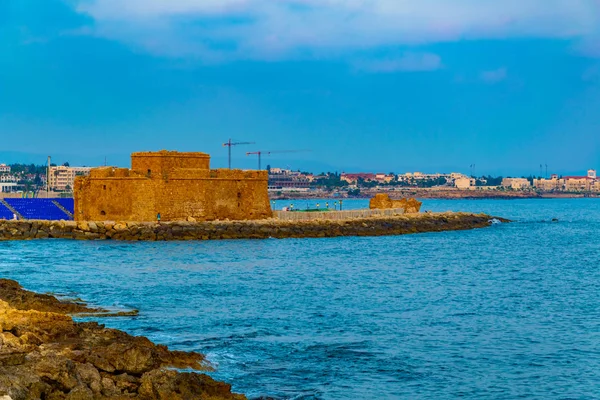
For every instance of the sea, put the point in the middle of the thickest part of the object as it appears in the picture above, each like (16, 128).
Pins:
(506, 312)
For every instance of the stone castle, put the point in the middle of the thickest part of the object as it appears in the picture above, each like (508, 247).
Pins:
(178, 186)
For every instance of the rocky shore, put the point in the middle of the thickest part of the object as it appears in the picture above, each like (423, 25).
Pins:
(263, 229)
(44, 354)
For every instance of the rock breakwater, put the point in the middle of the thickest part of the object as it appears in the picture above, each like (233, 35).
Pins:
(44, 354)
(263, 229)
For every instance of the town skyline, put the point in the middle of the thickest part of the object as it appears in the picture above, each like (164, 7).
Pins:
(297, 164)
(28, 179)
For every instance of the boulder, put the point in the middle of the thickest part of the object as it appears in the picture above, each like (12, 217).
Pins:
(382, 201)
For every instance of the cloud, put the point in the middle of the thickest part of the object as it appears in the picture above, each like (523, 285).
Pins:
(494, 76)
(409, 62)
(287, 28)
(591, 74)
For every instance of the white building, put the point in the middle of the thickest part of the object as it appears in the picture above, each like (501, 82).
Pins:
(8, 187)
(8, 178)
(516, 183)
(62, 178)
(464, 183)
(4, 169)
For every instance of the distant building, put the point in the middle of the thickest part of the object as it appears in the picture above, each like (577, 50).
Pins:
(9, 187)
(578, 183)
(4, 169)
(62, 178)
(420, 176)
(354, 178)
(8, 178)
(284, 178)
(464, 183)
(457, 175)
(548, 185)
(384, 178)
(516, 183)
(587, 182)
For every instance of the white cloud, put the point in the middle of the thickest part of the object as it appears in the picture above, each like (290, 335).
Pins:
(494, 76)
(591, 74)
(409, 62)
(283, 28)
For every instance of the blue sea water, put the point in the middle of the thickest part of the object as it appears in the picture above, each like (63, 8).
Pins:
(510, 311)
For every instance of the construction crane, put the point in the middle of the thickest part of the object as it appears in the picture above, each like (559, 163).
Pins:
(229, 144)
(267, 153)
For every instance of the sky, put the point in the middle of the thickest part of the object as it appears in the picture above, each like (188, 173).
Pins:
(354, 85)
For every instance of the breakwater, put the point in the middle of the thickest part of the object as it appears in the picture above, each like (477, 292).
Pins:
(263, 229)
(336, 215)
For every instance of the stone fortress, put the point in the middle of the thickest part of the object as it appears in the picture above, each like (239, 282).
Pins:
(178, 186)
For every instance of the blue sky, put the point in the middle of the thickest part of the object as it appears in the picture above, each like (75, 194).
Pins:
(373, 85)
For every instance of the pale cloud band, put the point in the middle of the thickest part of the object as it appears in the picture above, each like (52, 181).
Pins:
(285, 28)
(494, 76)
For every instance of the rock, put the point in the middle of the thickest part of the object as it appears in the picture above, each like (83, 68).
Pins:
(169, 385)
(83, 226)
(191, 219)
(380, 201)
(44, 354)
(92, 227)
(90, 376)
(14, 295)
(80, 392)
(383, 201)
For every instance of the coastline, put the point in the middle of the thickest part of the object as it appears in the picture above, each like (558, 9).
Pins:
(259, 229)
(45, 354)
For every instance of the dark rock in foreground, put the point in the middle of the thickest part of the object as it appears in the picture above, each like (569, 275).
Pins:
(44, 354)
(262, 229)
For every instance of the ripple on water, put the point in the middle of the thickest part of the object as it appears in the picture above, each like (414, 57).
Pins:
(506, 312)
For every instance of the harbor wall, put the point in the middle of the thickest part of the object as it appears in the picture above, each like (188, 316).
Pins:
(261, 229)
(336, 215)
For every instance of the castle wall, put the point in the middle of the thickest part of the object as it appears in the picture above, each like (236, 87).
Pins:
(176, 193)
(214, 198)
(114, 198)
(164, 162)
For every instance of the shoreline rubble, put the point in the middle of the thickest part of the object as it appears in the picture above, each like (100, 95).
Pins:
(44, 354)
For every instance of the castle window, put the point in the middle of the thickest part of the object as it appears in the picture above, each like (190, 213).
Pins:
(104, 187)
(102, 212)
(149, 172)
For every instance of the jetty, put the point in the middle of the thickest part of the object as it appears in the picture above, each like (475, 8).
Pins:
(375, 225)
